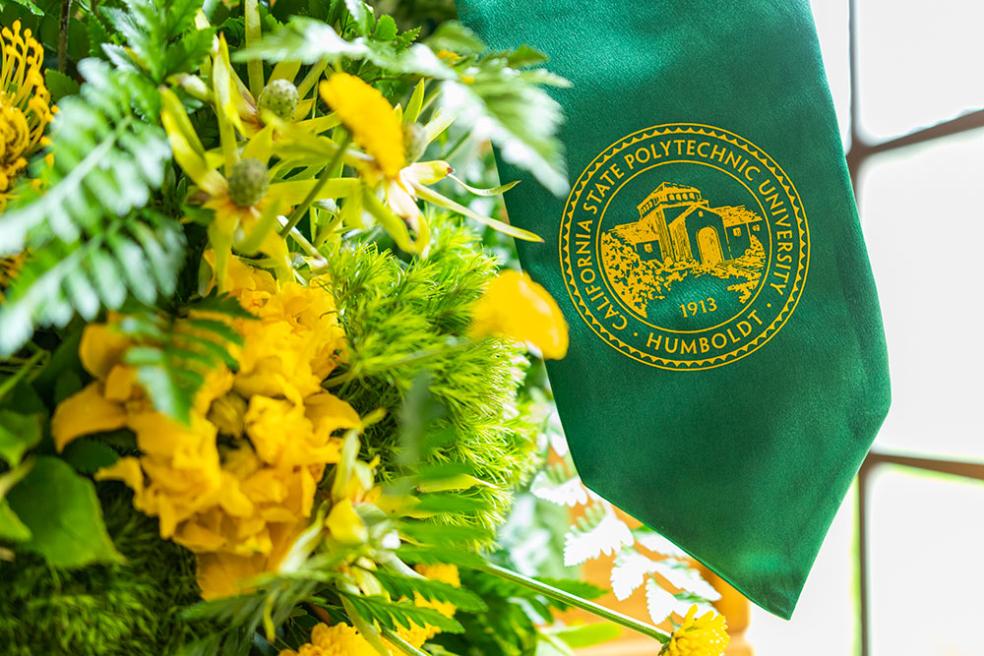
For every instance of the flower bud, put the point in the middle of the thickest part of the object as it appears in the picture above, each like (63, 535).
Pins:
(248, 182)
(280, 97)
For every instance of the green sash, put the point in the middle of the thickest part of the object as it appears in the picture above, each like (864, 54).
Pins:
(727, 370)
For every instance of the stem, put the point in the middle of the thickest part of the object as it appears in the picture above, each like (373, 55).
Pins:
(64, 21)
(578, 602)
(402, 644)
(301, 240)
(10, 383)
(328, 173)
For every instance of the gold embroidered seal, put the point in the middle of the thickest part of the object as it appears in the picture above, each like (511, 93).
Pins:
(684, 246)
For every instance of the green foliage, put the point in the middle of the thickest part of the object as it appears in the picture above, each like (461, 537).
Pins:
(89, 248)
(408, 586)
(497, 95)
(62, 512)
(394, 614)
(18, 433)
(406, 320)
(174, 353)
(160, 35)
(235, 620)
(12, 529)
(130, 608)
(504, 100)
(139, 254)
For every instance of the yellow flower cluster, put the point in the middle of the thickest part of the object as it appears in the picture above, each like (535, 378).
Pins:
(706, 635)
(418, 635)
(25, 104)
(516, 307)
(365, 112)
(336, 640)
(239, 506)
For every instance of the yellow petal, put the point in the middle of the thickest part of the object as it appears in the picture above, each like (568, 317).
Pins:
(516, 307)
(185, 145)
(345, 524)
(121, 383)
(84, 413)
(369, 117)
(126, 470)
(102, 347)
(329, 413)
(223, 575)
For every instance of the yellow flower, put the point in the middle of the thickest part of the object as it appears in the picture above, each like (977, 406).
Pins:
(241, 506)
(516, 307)
(369, 117)
(25, 104)
(699, 636)
(418, 635)
(345, 524)
(10, 266)
(337, 640)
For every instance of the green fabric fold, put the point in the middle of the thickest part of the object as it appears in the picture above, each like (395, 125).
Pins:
(727, 370)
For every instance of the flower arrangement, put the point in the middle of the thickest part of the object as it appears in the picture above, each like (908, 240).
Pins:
(269, 382)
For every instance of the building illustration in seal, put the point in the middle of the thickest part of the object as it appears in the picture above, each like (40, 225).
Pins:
(677, 224)
(679, 238)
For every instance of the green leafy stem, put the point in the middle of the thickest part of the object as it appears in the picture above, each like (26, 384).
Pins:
(578, 602)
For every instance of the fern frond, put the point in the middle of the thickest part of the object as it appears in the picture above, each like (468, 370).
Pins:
(160, 36)
(394, 614)
(105, 162)
(407, 586)
(173, 355)
(139, 254)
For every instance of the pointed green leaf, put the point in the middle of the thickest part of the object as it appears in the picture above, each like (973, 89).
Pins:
(63, 514)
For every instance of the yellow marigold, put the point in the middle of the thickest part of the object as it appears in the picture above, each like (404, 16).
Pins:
(240, 506)
(336, 640)
(418, 635)
(25, 104)
(516, 307)
(706, 635)
(369, 117)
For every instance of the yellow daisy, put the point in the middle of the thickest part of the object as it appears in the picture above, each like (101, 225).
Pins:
(369, 117)
(706, 635)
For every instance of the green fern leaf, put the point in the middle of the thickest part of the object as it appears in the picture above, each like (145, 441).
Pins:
(174, 354)
(139, 254)
(394, 614)
(407, 586)
(160, 36)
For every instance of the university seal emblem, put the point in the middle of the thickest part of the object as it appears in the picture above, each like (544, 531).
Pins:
(684, 246)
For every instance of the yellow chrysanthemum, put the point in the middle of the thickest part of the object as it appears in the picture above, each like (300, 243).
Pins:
(25, 104)
(337, 640)
(369, 117)
(418, 635)
(516, 307)
(240, 506)
(706, 635)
